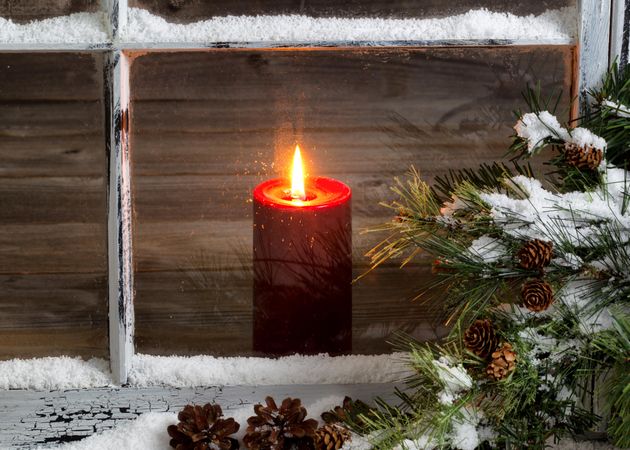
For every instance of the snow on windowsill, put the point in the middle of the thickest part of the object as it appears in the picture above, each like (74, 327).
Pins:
(90, 29)
(79, 28)
(179, 371)
(478, 24)
(148, 432)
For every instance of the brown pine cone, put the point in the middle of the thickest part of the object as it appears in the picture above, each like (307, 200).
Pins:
(331, 437)
(351, 412)
(583, 158)
(503, 362)
(274, 428)
(480, 338)
(201, 428)
(535, 254)
(537, 295)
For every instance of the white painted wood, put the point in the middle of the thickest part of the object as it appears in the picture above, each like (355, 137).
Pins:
(111, 45)
(620, 32)
(594, 39)
(116, 11)
(31, 418)
(121, 315)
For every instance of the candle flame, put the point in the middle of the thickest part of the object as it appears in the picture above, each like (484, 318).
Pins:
(297, 176)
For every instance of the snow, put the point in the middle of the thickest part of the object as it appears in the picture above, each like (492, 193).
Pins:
(181, 371)
(549, 216)
(148, 432)
(559, 24)
(619, 109)
(536, 128)
(54, 373)
(79, 28)
(464, 435)
(488, 249)
(585, 138)
(454, 378)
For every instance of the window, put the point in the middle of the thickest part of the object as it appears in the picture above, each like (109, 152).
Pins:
(129, 148)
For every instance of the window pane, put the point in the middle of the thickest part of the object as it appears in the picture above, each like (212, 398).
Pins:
(191, 10)
(27, 10)
(53, 259)
(207, 127)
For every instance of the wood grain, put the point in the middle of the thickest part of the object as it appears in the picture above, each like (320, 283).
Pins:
(53, 248)
(208, 126)
(189, 10)
(27, 10)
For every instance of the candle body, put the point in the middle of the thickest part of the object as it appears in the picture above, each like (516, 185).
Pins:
(303, 272)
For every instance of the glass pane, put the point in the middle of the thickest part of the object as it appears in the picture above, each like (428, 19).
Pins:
(27, 10)
(53, 258)
(208, 127)
(190, 10)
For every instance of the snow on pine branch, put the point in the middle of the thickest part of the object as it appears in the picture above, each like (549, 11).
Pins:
(538, 127)
(552, 25)
(572, 216)
(618, 109)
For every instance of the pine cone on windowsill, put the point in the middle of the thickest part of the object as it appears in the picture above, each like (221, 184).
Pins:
(202, 428)
(280, 428)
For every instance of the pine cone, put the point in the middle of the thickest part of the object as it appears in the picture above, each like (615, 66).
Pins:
(201, 428)
(480, 338)
(331, 437)
(535, 254)
(351, 412)
(503, 362)
(274, 428)
(537, 295)
(584, 158)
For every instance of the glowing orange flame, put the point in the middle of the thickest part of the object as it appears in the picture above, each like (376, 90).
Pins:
(297, 176)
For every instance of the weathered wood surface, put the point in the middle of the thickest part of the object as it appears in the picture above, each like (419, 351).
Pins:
(31, 418)
(208, 126)
(190, 10)
(595, 26)
(120, 249)
(27, 10)
(53, 246)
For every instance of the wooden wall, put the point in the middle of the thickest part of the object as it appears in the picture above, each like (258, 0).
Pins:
(208, 126)
(191, 10)
(53, 284)
(26, 10)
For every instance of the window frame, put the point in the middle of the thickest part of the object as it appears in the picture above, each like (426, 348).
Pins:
(603, 35)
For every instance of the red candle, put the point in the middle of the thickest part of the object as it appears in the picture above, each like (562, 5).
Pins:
(302, 265)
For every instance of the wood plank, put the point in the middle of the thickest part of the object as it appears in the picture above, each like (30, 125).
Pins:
(212, 310)
(25, 118)
(50, 76)
(29, 418)
(183, 245)
(190, 10)
(52, 200)
(51, 154)
(53, 247)
(26, 10)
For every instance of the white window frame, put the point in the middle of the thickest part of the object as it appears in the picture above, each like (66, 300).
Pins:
(603, 37)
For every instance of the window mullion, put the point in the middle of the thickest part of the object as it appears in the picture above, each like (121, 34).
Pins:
(121, 315)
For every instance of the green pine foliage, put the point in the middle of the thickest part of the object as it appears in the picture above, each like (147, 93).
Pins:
(544, 264)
